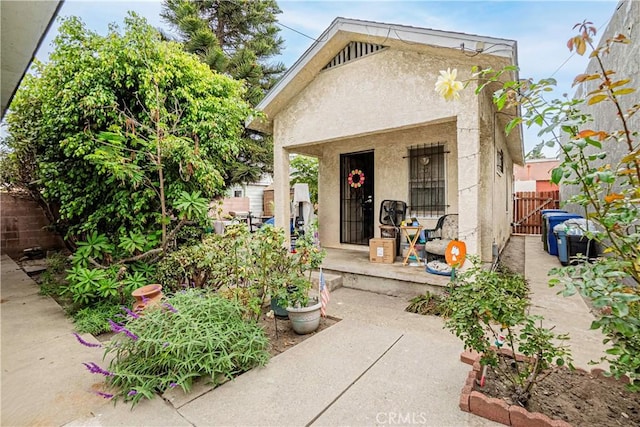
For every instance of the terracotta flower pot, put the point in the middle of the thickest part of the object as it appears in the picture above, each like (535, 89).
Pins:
(147, 296)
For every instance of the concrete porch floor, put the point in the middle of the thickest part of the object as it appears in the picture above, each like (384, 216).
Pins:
(388, 279)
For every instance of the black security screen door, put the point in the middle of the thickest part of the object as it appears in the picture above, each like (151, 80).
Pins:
(356, 198)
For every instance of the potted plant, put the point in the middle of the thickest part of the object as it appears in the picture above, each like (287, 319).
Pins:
(304, 312)
(293, 290)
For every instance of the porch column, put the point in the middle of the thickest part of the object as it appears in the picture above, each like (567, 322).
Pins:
(469, 183)
(281, 192)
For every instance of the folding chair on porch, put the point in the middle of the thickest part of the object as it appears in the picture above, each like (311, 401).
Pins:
(438, 238)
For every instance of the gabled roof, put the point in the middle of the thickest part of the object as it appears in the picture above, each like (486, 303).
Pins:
(343, 31)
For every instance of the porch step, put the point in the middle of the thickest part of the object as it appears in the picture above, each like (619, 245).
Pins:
(357, 272)
(333, 281)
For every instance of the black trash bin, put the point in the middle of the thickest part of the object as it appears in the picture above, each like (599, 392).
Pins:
(581, 245)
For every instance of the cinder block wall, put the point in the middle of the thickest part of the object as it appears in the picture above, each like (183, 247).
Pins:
(22, 226)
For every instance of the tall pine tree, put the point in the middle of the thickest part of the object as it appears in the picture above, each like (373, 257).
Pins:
(238, 38)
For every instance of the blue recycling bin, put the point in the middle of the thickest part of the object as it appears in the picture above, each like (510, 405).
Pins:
(543, 222)
(563, 247)
(553, 219)
(545, 211)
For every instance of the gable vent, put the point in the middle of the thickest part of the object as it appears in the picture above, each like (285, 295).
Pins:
(353, 50)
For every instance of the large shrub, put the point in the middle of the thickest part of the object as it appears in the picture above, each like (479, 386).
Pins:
(607, 183)
(245, 266)
(489, 309)
(191, 335)
(114, 132)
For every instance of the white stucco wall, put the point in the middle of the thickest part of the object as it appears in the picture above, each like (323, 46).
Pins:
(524, 186)
(496, 188)
(391, 172)
(387, 90)
(386, 102)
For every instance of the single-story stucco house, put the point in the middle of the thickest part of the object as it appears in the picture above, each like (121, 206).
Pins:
(362, 100)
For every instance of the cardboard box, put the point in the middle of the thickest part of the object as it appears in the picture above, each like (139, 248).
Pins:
(382, 250)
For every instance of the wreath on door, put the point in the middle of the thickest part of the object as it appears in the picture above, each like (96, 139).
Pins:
(356, 178)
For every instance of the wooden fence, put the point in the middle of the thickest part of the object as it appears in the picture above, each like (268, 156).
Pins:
(526, 210)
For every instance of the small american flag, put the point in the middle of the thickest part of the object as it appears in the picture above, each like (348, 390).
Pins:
(324, 295)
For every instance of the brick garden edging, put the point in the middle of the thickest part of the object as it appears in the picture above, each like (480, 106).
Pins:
(497, 409)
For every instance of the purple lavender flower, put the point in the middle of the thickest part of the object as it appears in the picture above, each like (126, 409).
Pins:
(130, 313)
(130, 334)
(132, 393)
(85, 343)
(95, 369)
(169, 307)
(105, 395)
(145, 299)
(117, 328)
(165, 345)
(172, 385)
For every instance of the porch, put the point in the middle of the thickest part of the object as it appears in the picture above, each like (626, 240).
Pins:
(357, 272)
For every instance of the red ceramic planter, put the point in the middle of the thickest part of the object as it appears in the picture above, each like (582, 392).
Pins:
(147, 296)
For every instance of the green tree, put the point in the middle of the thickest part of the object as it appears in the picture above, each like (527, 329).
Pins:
(113, 127)
(305, 170)
(239, 38)
(235, 37)
(608, 187)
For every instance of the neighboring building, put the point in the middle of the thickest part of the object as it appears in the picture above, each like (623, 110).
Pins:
(623, 59)
(255, 193)
(361, 99)
(535, 175)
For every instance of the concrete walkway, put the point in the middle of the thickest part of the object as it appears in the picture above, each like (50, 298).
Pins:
(569, 314)
(379, 366)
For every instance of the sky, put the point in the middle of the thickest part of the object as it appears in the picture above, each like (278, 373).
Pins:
(541, 28)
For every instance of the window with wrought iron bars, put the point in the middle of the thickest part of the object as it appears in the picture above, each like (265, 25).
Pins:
(427, 180)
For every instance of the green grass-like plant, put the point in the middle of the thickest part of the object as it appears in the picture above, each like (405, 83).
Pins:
(428, 304)
(51, 281)
(95, 319)
(49, 286)
(57, 263)
(192, 334)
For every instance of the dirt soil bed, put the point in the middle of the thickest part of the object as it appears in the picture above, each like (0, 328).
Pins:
(512, 256)
(285, 338)
(576, 397)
